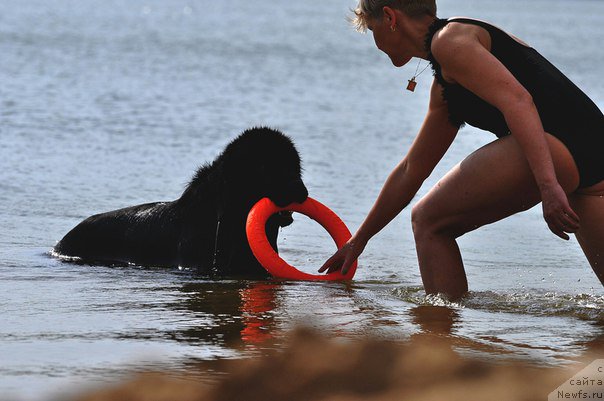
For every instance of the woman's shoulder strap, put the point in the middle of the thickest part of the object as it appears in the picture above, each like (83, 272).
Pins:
(493, 30)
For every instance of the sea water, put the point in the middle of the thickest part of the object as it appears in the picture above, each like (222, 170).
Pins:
(107, 104)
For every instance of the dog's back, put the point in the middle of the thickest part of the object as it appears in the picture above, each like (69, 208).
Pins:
(144, 234)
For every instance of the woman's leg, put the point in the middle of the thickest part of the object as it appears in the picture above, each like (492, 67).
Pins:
(589, 205)
(492, 183)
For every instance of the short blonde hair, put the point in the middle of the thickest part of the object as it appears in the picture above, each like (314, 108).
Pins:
(369, 9)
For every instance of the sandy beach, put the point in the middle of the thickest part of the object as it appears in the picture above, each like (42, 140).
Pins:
(313, 367)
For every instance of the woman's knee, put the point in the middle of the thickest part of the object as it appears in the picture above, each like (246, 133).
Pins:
(428, 219)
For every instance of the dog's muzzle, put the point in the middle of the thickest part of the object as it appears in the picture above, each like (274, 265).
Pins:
(285, 218)
(292, 192)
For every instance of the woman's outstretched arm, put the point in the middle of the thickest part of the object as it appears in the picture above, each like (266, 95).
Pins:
(428, 148)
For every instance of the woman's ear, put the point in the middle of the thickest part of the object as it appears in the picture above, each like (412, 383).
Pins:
(389, 17)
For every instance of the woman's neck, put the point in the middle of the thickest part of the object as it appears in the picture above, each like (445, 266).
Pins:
(418, 30)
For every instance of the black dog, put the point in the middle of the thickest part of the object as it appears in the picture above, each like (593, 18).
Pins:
(205, 228)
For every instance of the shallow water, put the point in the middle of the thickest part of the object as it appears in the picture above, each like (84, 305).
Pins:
(106, 105)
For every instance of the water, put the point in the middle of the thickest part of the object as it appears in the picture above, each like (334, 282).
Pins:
(110, 104)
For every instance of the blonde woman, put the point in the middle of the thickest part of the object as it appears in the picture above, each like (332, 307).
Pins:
(549, 146)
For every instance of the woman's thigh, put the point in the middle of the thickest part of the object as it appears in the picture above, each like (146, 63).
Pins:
(490, 184)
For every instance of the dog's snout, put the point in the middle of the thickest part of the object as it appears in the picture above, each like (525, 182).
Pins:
(300, 191)
(293, 192)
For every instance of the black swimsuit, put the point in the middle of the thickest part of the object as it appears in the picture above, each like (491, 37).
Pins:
(565, 111)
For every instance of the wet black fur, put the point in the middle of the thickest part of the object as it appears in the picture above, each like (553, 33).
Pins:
(261, 162)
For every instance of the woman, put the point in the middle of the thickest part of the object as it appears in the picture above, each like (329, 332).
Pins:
(550, 145)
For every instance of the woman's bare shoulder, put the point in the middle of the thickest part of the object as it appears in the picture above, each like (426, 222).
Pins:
(455, 37)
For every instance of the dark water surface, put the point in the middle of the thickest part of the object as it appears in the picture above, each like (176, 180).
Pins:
(109, 104)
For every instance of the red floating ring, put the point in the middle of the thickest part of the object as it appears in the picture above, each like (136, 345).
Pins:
(272, 262)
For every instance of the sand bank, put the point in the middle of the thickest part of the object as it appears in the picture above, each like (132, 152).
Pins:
(312, 367)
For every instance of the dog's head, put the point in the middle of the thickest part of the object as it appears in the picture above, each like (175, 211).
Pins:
(263, 162)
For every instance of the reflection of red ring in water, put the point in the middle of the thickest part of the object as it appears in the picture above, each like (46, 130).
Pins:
(266, 255)
(258, 300)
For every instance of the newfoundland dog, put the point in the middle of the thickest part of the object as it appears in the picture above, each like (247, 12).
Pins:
(205, 228)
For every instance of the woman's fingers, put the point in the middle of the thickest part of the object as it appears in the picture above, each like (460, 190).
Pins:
(570, 218)
(342, 259)
(347, 264)
(560, 217)
(562, 223)
(334, 263)
(568, 225)
(558, 231)
(337, 265)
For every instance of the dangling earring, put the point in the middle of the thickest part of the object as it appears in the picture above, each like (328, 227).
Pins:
(393, 28)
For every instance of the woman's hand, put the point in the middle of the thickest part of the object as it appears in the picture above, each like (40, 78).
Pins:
(558, 214)
(344, 257)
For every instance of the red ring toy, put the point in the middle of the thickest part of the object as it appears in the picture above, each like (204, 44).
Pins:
(272, 262)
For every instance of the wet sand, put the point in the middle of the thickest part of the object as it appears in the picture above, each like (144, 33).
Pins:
(313, 367)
